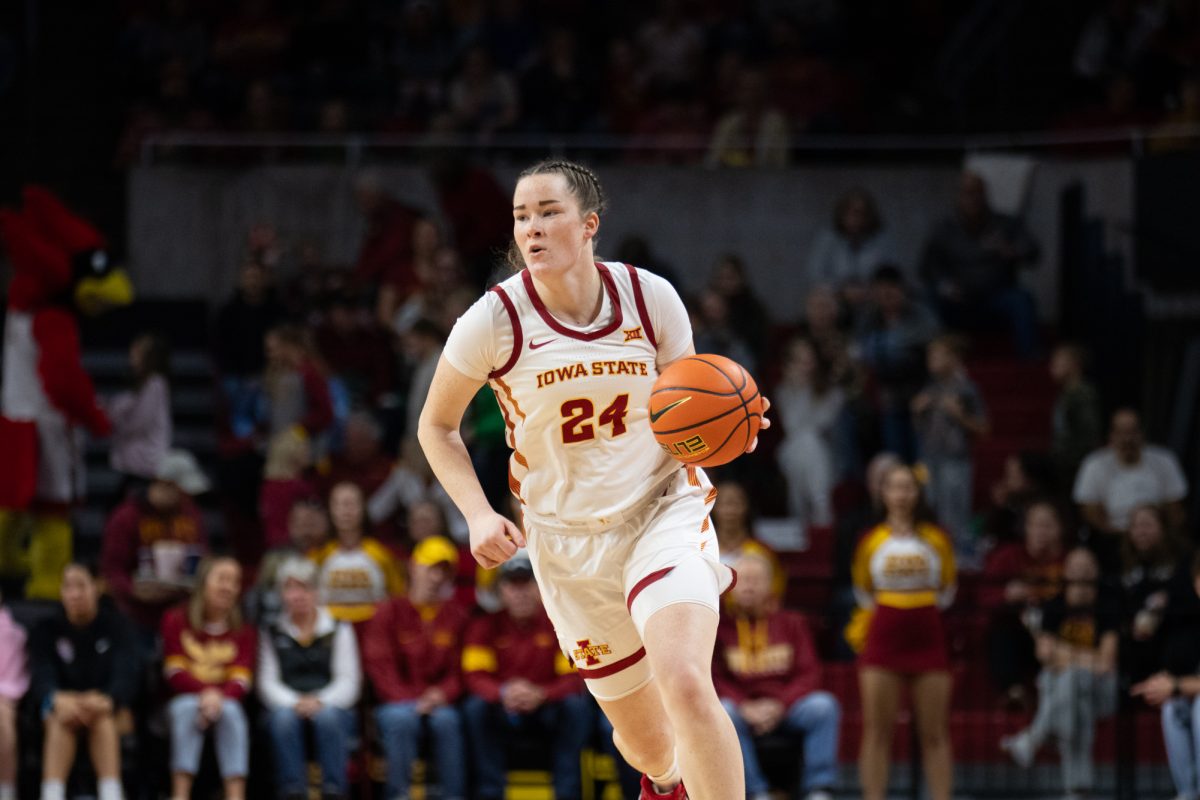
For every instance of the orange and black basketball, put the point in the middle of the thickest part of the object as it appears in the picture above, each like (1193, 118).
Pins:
(705, 410)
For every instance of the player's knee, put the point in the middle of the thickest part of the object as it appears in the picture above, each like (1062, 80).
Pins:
(688, 686)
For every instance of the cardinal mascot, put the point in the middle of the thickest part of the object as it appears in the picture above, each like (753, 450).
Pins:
(60, 268)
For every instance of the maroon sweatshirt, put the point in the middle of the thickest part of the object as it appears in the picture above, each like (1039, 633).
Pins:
(407, 649)
(497, 649)
(772, 656)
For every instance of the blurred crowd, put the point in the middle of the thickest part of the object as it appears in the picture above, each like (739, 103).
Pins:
(344, 600)
(732, 83)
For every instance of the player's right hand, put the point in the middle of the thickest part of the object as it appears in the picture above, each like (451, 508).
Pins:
(494, 539)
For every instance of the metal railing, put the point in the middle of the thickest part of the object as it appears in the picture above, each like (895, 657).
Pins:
(355, 147)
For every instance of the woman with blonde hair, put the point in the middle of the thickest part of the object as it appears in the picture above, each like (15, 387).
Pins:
(209, 662)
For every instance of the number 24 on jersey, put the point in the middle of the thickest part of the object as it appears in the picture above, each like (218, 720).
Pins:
(579, 413)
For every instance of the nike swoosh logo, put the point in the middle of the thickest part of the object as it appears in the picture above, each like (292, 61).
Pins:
(654, 415)
(536, 345)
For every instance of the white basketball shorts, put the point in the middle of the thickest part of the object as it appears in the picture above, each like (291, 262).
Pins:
(600, 585)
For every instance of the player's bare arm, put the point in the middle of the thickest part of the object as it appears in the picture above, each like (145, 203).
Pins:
(494, 539)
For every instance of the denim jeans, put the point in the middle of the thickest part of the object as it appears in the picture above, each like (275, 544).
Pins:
(400, 730)
(231, 737)
(332, 730)
(1070, 703)
(568, 721)
(1181, 724)
(816, 717)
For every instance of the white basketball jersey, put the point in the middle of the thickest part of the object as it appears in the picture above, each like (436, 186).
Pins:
(576, 403)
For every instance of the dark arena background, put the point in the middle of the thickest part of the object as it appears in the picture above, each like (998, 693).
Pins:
(958, 234)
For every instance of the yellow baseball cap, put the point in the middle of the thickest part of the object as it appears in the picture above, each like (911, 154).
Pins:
(435, 550)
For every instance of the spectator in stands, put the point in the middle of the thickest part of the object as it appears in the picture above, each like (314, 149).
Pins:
(285, 481)
(518, 680)
(1028, 476)
(970, 267)
(714, 331)
(361, 460)
(388, 241)
(1151, 556)
(747, 314)
(241, 325)
(846, 254)
(422, 350)
(153, 541)
(86, 667)
(562, 84)
(753, 133)
(948, 416)
(307, 530)
(733, 517)
(412, 650)
(357, 571)
(392, 303)
(356, 348)
(141, 416)
(904, 575)
(309, 676)
(412, 482)
(825, 325)
(14, 680)
(209, 667)
(477, 211)
(768, 676)
(1018, 578)
(892, 334)
(1076, 421)
(671, 45)
(1078, 683)
(809, 405)
(1176, 688)
(481, 99)
(1113, 480)
(297, 393)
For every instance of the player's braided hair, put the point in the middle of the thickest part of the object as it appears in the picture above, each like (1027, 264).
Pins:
(582, 182)
(583, 185)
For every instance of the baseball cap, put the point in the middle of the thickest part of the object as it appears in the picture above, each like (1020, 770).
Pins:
(181, 468)
(518, 567)
(435, 550)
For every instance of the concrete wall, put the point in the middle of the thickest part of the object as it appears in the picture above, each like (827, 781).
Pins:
(187, 226)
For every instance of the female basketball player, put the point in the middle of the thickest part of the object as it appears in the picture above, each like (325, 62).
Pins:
(617, 531)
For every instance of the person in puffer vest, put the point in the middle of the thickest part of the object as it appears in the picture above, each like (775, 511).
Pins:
(309, 676)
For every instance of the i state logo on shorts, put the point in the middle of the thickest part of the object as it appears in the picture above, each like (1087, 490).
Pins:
(588, 654)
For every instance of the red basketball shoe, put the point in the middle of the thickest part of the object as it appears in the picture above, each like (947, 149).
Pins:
(649, 793)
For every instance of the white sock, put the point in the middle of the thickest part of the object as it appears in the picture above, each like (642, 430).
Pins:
(53, 790)
(668, 780)
(110, 789)
(8, 791)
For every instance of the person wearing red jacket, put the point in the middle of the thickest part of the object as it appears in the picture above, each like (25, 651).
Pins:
(518, 679)
(412, 653)
(767, 676)
(209, 667)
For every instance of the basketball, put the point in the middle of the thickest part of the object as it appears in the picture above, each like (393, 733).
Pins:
(705, 410)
